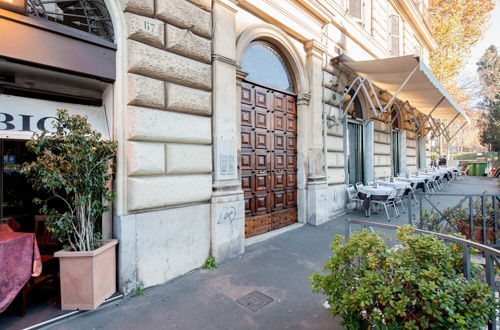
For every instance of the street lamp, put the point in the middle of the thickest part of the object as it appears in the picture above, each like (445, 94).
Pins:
(18, 6)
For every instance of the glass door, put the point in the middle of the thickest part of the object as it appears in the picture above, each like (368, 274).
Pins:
(395, 153)
(16, 195)
(355, 155)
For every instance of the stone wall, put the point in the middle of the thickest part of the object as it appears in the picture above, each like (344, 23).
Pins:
(168, 132)
(169, 129)
(382, 150)
(411, 151)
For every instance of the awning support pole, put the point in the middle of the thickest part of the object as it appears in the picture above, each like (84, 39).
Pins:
(403, 85)
(458, 114)
(430, 113)
(458, 130)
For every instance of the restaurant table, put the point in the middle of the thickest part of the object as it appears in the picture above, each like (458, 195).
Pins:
(19, 260)
(414, 180)
(369, 193)
(395, 184)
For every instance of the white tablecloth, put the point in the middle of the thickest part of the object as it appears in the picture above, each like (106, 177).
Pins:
(396, 184)
(372, 191)
(411, 179)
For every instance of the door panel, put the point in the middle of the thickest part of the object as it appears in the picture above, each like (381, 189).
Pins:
(268, 158)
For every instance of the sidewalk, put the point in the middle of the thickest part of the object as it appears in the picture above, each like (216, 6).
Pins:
(278, 268)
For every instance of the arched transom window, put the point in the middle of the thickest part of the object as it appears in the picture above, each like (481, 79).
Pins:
(89, 16)
(265, 65)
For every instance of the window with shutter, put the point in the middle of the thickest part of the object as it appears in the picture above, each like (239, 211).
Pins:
(354, 8)
(394, 34)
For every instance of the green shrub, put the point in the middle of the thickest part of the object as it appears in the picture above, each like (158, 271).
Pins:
(418, 285)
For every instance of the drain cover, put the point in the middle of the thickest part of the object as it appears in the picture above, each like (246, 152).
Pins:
(255, 300)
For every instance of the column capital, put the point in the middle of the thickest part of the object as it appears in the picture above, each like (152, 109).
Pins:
(314, 48)
(240, 75)
(303, 98)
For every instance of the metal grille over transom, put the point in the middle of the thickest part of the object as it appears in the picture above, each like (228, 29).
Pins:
(268, 158)
(90, 16)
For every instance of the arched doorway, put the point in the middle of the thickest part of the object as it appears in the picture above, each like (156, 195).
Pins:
(268, 140)
(355, 138)
(395, 140)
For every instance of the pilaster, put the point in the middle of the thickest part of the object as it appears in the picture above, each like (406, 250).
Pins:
(317, 187)
(227, 203)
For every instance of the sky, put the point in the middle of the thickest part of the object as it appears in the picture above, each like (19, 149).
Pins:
(491, 37)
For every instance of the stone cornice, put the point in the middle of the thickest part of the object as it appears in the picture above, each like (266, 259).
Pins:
(232, 5)
(221, 58)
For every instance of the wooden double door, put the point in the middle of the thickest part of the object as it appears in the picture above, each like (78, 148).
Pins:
(268, 158)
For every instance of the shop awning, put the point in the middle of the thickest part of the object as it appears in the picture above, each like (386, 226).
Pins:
(408, 79)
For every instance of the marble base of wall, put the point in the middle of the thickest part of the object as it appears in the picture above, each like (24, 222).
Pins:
(337, 200)
(158, 246)
(227, 224)
(317, 202)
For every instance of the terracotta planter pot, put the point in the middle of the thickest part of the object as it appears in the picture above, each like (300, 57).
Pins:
(464, 228)
(89, 277)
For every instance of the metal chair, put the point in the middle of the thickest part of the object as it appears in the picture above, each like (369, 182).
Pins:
(359, 184)
(390, 201)
(399, 198)
(464, 172)
(352, 197)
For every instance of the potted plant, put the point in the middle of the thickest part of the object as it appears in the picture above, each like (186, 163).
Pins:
(74, 165)
(418, 285)
(461, 218)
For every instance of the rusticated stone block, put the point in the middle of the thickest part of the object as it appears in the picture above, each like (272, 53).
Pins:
(165, 126)
(205, 4)
(188, 158)
(161, 191)
(140, 7)
(188, 100)
(144, 29)
(145, 158)
(185, 15)
(183, 42)
(160, 64)
(144, 91)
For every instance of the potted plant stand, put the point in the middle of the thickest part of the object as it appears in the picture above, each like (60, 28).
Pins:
(464, 228)
(87, 277)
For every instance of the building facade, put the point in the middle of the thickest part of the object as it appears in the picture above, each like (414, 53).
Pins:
(233, 118)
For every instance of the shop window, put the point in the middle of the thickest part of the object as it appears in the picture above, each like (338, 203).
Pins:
(89, 16)
(394, 36)
(265, 65)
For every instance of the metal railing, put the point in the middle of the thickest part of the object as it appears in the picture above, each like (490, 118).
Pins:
(482, 208)
(491, 255)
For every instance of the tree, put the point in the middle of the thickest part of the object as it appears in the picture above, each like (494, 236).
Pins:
(72, 165)
(457, 25)
(489, 75)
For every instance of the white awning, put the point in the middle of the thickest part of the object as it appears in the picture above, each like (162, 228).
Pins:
(409, 79)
